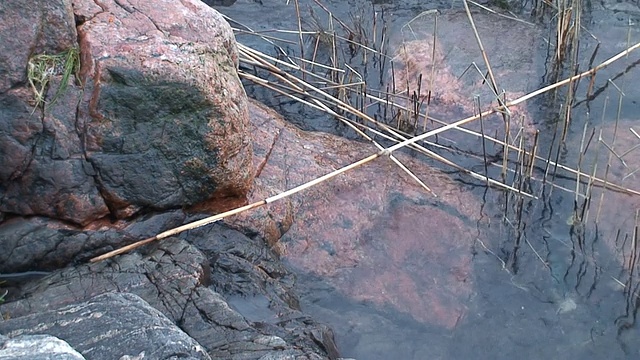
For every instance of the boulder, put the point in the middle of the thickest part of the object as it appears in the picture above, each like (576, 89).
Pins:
(373, 233)
(164, 113)
(155, 119)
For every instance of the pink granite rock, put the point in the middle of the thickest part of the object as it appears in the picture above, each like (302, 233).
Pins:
(164, 113)
(156, 119)
(42, 166)
(373, 232)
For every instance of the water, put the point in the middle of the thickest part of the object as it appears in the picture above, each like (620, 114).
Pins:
(546, 286)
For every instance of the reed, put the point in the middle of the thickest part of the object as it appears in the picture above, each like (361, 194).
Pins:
(342, 91)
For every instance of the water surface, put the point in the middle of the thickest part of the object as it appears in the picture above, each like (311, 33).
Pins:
(545, 284)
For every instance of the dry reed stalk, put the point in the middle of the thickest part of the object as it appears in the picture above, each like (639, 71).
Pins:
(265, 38)
(505, 143)
(397, 137)
(315, 53)
(482, 139)
(433, 72)
(506, 147)
(212, 219)
(615, 130)
(333, 17)
(500, 14)
(630, 150)
(320, 106)
(375, 26)
(506, 115)
(301, 40)
(509, 146)
(533, 155)
(383, 152)
(323, 107)
(482, 51)
(583, 148)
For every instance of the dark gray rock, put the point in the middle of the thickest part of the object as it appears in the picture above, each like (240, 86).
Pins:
(236, 301)
(110, 326)
(36, 347)
(39, 243)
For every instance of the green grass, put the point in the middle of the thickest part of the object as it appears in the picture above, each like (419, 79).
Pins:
(43, 67)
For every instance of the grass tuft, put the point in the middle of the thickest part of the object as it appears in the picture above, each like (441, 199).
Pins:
(43, 67)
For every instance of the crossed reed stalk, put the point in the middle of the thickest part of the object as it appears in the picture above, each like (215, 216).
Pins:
(333, 98)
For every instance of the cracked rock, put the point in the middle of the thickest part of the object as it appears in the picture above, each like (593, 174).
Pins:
(192, 290)
(155, 119)
(95, 326)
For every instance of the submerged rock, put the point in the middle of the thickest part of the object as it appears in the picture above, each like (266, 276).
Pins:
(373, 232)
(439, 74)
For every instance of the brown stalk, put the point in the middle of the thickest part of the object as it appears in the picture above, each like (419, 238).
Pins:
(504, 143)
(384, 152)
(482, 51)
(300, 34)
(433, 72)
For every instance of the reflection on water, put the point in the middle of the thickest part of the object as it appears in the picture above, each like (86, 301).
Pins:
(547, 281)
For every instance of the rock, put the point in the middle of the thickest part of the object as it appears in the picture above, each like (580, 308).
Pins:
(164, 112)
(95, 327)
(414, 61)
(160, 125)
(42, 27)
(457, 89)
(36, 347)
(42, 170)
(373, 233)
(194, 292)
(39, 243)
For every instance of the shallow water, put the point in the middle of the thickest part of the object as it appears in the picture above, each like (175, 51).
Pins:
(544, 287)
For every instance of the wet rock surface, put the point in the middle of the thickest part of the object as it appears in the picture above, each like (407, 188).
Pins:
(374, 233)
(195, 292)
